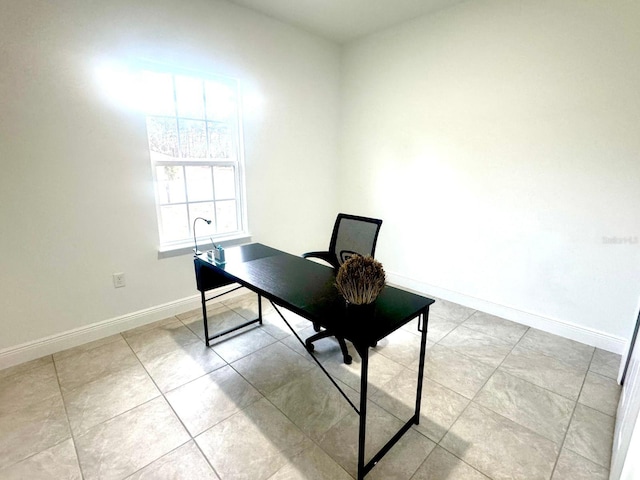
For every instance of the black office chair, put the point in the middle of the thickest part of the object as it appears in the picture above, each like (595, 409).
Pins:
(351, 235)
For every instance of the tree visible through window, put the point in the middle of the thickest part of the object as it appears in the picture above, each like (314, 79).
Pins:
(193, 127)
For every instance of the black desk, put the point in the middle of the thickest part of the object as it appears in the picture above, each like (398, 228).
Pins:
(307, 289)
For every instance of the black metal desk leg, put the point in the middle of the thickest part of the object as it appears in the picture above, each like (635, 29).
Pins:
(260, 308)
(423, 345)
(204, 318)
(364, 371)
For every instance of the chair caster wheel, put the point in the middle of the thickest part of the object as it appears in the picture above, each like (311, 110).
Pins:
(316, 327)
(348, 359)
(310, 347)
(375, 345)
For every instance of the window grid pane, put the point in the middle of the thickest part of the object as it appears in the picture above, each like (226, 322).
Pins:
(204, 210)
(163, 137)
(193, 138)
(175, 223)
(170, 184)
(224, 182)
(219, 136)
(199, 184)
(226, 219)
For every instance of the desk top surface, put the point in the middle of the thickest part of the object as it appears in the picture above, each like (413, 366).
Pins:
(307, 288)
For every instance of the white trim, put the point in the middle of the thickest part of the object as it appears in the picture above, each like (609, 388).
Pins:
(79, 336)
(204, 243)
(562, 328)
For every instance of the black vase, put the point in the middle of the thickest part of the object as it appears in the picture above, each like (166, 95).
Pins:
(361, 312)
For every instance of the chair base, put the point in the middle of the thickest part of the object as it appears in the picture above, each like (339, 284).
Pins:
(324, 334)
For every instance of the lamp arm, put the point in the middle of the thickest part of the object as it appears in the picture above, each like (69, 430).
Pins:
(195, 241)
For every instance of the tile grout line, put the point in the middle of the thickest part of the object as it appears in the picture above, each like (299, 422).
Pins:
(306, 436)
(191, 437)
(162, 394)
(472, 401)
(438, 443)
(575, 406)
(262, 396)
(66, 412)
(71, 437)
(575, 402)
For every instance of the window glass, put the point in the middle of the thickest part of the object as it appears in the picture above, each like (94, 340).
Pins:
(219, 140)
(193, 138)
(163, 137)
(175, 223)
(170, 184)
(224, 182)
(199, 183)
(194, 144)
(204, 210)
(226, 216)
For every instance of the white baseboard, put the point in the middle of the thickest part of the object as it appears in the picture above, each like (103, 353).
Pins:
(72, 338)
(564, 329)
(79, 336)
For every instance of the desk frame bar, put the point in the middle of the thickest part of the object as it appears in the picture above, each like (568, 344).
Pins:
(364, 354)
(383, 451)
(228, 330)
(424, 315)
(362, 429)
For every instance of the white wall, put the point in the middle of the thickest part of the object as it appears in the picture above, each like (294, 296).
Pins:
(499, 142)
(76, 194)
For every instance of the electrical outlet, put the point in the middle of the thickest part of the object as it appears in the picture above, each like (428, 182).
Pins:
(118, 280)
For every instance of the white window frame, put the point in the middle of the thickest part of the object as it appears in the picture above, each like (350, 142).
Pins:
(238, 163)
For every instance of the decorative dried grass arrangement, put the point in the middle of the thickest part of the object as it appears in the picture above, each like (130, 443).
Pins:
(360, 279)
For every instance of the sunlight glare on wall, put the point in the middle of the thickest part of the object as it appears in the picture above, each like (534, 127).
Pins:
(121, 85)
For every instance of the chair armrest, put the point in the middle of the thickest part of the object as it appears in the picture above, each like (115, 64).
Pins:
(326, 256)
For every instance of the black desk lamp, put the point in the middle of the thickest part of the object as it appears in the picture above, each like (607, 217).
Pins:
(196, 251)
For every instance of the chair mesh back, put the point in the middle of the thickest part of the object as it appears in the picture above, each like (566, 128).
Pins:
(354, 235)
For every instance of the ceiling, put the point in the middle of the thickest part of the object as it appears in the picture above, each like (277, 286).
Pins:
(345, 20)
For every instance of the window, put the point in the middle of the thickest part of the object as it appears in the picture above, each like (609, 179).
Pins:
(193, 125)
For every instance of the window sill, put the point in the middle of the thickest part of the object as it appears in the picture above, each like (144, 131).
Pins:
(186, 248)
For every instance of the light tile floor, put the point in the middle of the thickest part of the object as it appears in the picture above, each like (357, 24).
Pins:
(501, 401)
